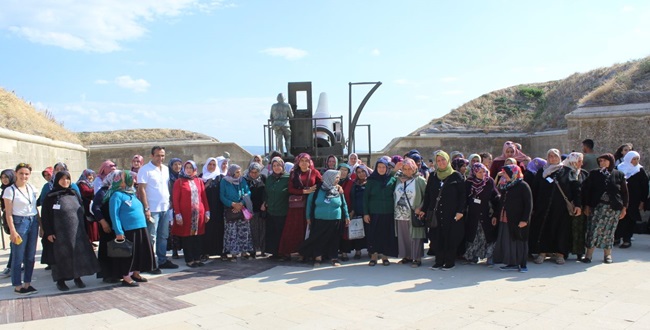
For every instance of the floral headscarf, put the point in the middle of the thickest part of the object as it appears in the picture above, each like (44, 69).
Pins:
(478, 184)
(514, 172)
(83, 178)
(115, 179)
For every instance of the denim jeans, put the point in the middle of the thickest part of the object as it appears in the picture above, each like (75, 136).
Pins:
(25, 253)
(159, 232)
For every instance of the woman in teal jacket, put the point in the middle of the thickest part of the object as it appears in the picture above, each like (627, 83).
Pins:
(235, 196)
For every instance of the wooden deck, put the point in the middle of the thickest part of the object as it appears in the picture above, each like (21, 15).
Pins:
(154, 297)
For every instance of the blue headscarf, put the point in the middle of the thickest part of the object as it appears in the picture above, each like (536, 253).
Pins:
(185, 175)
(375, 174)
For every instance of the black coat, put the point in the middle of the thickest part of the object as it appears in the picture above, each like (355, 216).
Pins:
(453, 198)
(481, 213)
(598, 184)
(637, 189)
(258, 192)
(518, 205)
(63, 216)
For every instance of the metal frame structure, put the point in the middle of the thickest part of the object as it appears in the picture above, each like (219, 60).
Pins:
(352, 124)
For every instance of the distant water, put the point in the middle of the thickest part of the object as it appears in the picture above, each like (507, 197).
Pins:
(259, 150)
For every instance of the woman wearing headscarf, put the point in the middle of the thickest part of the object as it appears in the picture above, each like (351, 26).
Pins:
(606, 198)
(212, 240)
(256, 184)
(445, 196)
(460, 165)
(327, 213)
(63, 221)
(191, 213)
(513, 217)
(8, 178)
(550, 232)
(48, 186)
(127, 214)
(222, 164)
(532, 168)
(175, 166)
(234, 196)
(620, 153)
(136, 163)
(578, 222)
(423, 169)
(109, 272)
(331, 163)
(302, 182)
(379, 214)
(356, 210)
(276, 204)
(510, 150)
(408, 196)
(473, 158)
(267, 169)
(85, 184)
(637, 188)
(346, 185)
(106, 168)
(480, 234)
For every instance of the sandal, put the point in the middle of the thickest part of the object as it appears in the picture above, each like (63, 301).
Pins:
(139, 279)
(539, 259)
(608, 259)
(560, 260)
(385, 262)
(416, 263)
(405, 261)
(625, 245)
(586, 260)
(372, 263)
(335, 263)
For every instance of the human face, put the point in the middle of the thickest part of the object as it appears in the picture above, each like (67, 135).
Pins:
(480, 174)
(463, 169)
(361, 174)
(224, 166)
(344, 172)
(473, 161)
(257, 159)
(304, 164)
(188, 169)
(47, 176)
(625, 150)
(136, 163)
(509, 162)
(399, 166)
(57, 169)
(381, 169)
(553, 159)
(277, 168)
(212, 166)
(579, 163)
(22, 176)
(408, 170)
(254, 174)
(634, 161)
(602, 162)
(64, 182)
(510, 151)
(336, 179)
(158, 157)
(5, 180)
(331, 163)
(90, 178)
(487, 161)
(442, 163)
(237, 174)
(176, 167)
(353, 159)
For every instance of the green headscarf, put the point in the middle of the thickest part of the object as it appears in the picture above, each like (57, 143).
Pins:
(443, 174)
(114, 179)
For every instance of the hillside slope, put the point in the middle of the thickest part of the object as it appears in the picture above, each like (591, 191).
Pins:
(542, 106)
(140, 135)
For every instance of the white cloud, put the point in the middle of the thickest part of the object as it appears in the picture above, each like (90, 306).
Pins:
(375, 52)
(137, 85)
(288, 53)
(101, 82)
(453, 92)
(96, 26)
(627, 9)
(449, 79)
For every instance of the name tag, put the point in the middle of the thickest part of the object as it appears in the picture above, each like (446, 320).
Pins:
(477, 201)
(549, 179)
(56, 206)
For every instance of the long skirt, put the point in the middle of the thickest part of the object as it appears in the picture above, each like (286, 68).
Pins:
(578, 233)
(479, 248)
(323, 240)
(347, 245)
(212, 239)
(380, 235)
(601, 228)
(258, 232)
(294, 231)
(142, 259)
(509, 251)
(73, 254)
(192, 248)
(108, 265)
(92, 229)
(274, 228)
(408, 247)
(237, 237)
(446, 238)
(625, 227)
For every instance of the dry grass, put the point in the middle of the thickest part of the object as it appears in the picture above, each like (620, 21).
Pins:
(18, 115)
(140, 135)
(542, 106)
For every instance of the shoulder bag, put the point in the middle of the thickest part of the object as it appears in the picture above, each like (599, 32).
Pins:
(431, 219)
(299, 201)
(569, 204)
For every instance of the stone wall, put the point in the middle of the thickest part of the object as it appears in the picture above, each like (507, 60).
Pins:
(40, 153)
(197, 150)
(611, 126)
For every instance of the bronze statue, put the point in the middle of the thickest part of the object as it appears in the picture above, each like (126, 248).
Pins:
(280, 114)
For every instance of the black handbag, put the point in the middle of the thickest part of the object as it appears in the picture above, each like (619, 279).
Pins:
(233, 216)
(119, 249)
(431, 220)
(416, 221)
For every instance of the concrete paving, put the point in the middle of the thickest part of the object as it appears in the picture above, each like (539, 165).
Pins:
(356, 296)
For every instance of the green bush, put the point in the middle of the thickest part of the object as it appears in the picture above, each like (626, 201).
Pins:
(531, 92)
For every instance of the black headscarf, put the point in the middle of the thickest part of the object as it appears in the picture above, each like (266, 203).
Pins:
(375, 174)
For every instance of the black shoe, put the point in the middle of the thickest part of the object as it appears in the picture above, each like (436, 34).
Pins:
(437, 266)
(192, 265)
(205, 258)
(61, 286)
(21, 292)
(449, 267)
(110, 280)
(430, 252)
(199, 263)
(168, 265)
(48, 267)
(79, 283)
(132, 284)
(585, 260)
(31, 290)
(139, 279)
(625, 245)
(155, 271)
(224, 257)
(357, 256)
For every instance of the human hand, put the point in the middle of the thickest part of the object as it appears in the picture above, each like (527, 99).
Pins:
(366, 218)
(120, 237)
(51, 238)
(577, 211)
(623, 213)
(494, 221)
(458, 216)
(587, 211)
(522, 224)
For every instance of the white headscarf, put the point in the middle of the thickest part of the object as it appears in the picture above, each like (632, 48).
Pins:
(552, 168)
(626, 166)
(207, 175)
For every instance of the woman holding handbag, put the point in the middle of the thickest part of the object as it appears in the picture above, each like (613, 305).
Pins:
(191, 212)
(408, 196)
(379, 214)
(480, 234)
(127, 215)
(235, 196)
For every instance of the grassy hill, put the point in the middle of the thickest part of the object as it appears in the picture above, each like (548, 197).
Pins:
(542, 106)
(140, 135)
(18, 115)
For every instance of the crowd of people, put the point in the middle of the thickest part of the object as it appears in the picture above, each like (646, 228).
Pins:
(479, 210)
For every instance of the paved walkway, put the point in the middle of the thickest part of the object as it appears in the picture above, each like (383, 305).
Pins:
(355, 296)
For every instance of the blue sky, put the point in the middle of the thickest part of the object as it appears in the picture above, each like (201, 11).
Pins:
(215, 67)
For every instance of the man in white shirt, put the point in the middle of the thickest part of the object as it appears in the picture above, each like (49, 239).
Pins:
(153, 192)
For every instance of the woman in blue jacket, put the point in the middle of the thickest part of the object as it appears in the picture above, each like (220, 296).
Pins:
(235, 196)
